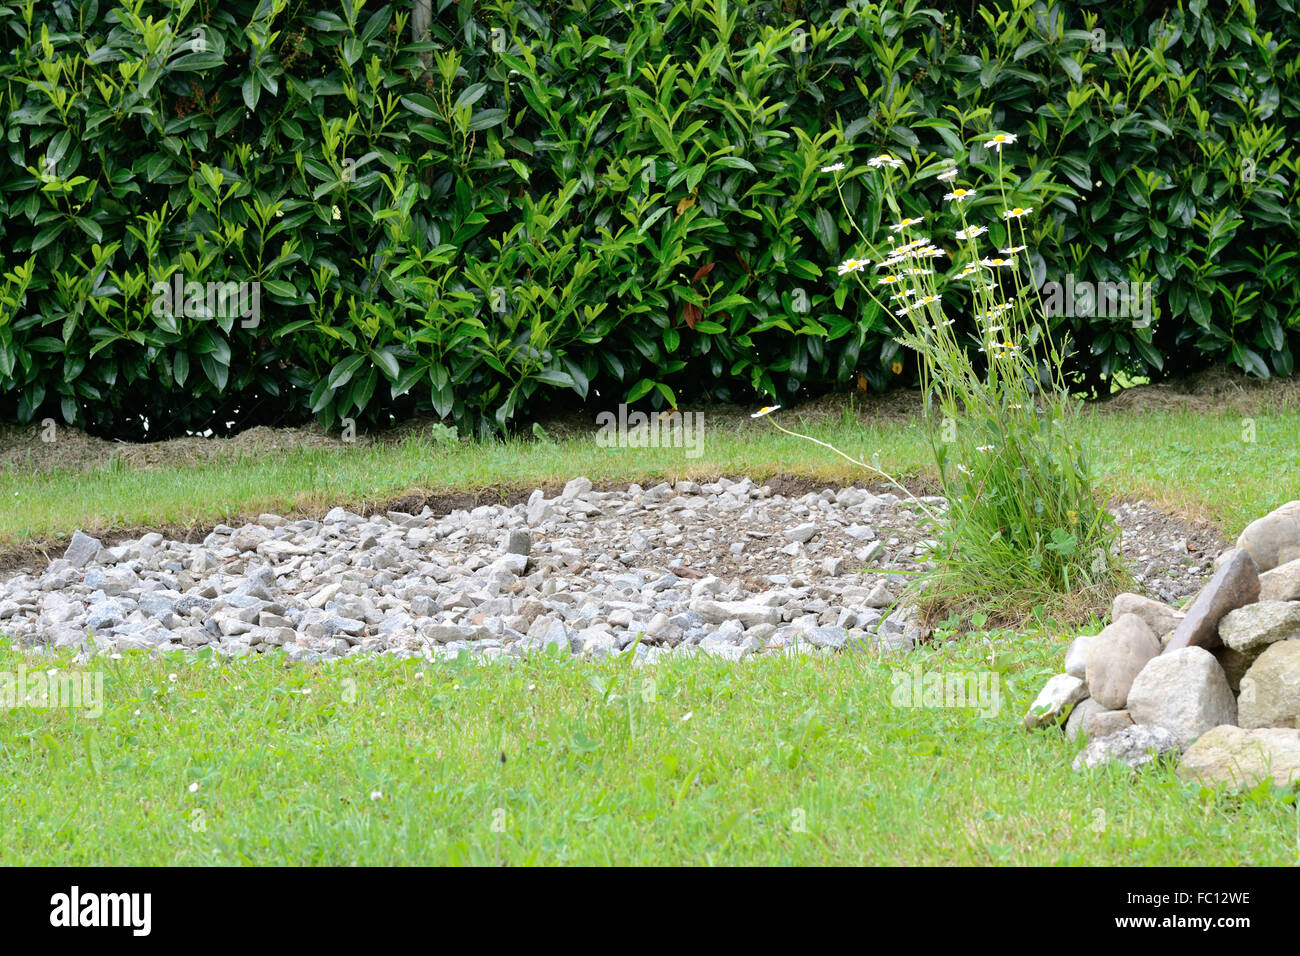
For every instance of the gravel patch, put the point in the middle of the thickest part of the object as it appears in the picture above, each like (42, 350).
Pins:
(726, 568)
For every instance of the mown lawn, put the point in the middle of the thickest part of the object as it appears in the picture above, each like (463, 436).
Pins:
(1192, 462)
(778, 761)
(773, 761)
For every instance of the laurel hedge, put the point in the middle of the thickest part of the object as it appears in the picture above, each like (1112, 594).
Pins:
(219, 215)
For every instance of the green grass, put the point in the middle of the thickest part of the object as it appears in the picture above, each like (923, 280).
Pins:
(713, 763)
(601, 767)
(1186, 461)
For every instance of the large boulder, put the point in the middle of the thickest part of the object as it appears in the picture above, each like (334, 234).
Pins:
(1161, 618)
(1252, 628)
(1235, 584)
(1270, 691)
(1054, 701)
(1185, 691)
(1243, 758)
(1116, 657)
(1275, 538)
(1134, 747)
(1282, 583)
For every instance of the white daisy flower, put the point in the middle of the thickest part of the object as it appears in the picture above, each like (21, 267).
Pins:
(1012, 250)
(948, 175)
(884, 159)
(1017, 212)
(767, 410)
(998, 140)
(833, 168)
(960, 195)
(852, 265)
(900, 226)
(970, 232)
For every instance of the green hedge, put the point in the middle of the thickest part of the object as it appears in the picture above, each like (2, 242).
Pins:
(597, 201)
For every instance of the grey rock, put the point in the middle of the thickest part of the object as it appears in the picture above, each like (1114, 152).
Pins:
(596, 643)
(447, 633)
(1185, 691)
(188, 602)
(1161, 618)
(105, 614)
(1233, 585)
(802, 533)
(1270, 691)
(662, 628)
(1116, 657)
(878, 597)
(81, 549)
(1252, 628)
(1274, 539)
(1134, 747)
(1083, 709)
(576, 488)
(1054, 701)
(1243, 758)
(747, 613)
(835, 637)
(1076, 656)
(1103, 723)
(249, 537)
(1281, 583)
(519, 542)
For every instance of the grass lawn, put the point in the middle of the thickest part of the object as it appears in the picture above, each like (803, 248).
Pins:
(1194, 463)
(771, 761)
(779, 761)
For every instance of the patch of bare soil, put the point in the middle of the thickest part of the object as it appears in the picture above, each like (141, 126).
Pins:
(1215, 389)
(30, 449)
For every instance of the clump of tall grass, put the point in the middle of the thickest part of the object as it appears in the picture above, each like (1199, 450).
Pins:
(1025, 524)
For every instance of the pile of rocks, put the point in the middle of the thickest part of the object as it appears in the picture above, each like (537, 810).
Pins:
(726, 568)
(1217, 684)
